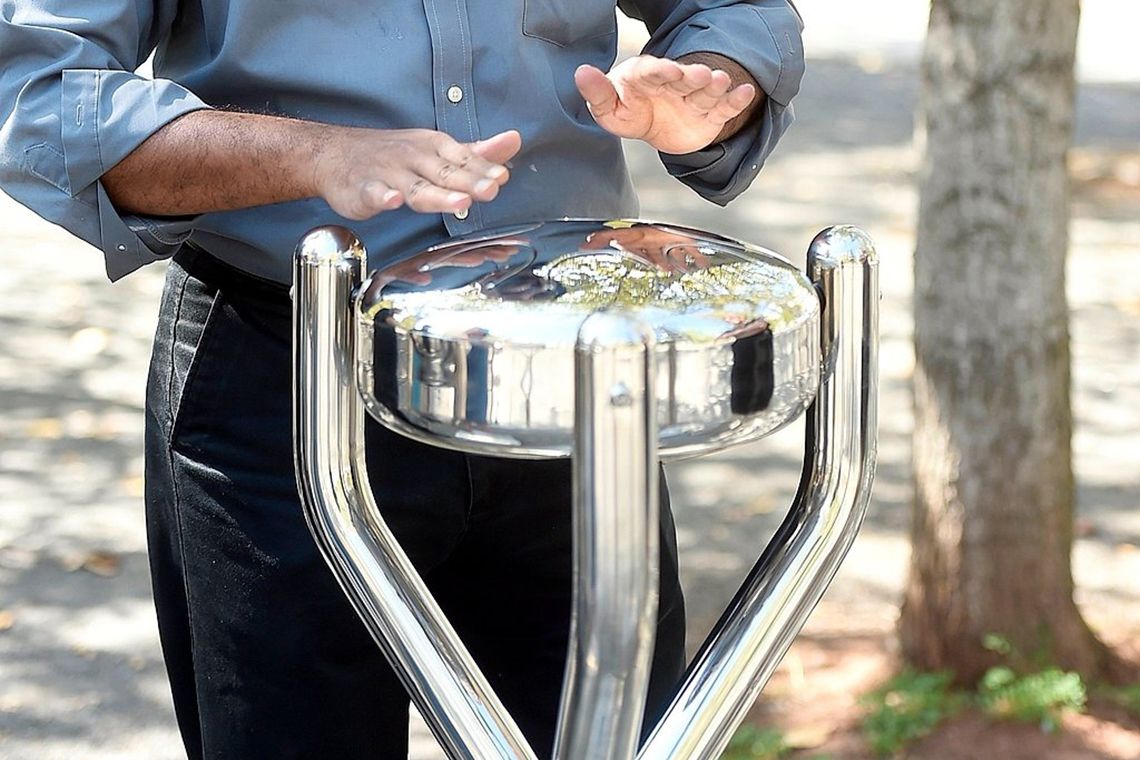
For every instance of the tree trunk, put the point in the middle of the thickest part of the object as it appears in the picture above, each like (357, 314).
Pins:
(993, 510)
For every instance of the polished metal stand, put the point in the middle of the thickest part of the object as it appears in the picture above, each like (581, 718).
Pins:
(616, 520)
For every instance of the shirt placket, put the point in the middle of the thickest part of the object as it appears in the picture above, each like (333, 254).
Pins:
(454, 87)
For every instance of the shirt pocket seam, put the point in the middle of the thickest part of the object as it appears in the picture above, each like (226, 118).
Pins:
(535, 27)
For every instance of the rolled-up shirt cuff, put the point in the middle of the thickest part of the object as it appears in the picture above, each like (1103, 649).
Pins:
(724, 170)
(130, 242)
(106, 115)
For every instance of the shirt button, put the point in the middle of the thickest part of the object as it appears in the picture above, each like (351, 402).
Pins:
(461, 214)
(455, 93)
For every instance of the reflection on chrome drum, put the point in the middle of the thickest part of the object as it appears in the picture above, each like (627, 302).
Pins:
(469, 339)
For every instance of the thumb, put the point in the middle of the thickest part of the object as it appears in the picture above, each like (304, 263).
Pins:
(499, 148)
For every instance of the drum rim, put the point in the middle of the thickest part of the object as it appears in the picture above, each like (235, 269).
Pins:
(801, 368)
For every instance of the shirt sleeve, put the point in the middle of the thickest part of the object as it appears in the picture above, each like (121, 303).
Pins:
(763, 36)
(71, 108)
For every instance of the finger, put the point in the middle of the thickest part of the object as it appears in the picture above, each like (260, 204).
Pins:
(466, 158)
(415, 278)
(686, 258)
(473, 258)
(597, 90)
(500, 148)
(695, 76)
(382, 197)
(422, 195)
(707, 98)
(734, 103)
(453, 175)
(721, 80)
(657, 72)
(598, 241)
(370, 199)
(500, 253)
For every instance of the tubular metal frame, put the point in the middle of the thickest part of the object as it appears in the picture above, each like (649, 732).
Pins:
(616, 538)
(375, 573)
(615, 524)
(799, 562)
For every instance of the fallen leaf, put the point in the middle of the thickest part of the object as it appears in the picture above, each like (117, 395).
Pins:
(105, 564)
(761, 505)
(807, 737)
(47, 428)
(134, 485)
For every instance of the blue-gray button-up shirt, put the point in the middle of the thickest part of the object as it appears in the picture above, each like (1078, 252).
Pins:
(71, 106)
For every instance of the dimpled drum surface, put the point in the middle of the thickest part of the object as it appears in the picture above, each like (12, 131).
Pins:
(470, 344)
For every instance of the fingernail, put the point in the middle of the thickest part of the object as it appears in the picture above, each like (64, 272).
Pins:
(484, 185)
(496, 172)
(391, 195)
(456, 198)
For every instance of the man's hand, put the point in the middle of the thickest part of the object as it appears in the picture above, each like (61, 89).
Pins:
(675, 106)
(211, 161)
(670, 252)
(362, 172)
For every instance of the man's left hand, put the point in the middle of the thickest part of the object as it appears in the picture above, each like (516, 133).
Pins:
(674, 106)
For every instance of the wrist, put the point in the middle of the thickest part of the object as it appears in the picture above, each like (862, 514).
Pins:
(318, 150)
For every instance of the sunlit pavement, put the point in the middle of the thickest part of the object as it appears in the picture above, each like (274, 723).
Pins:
(80, 672)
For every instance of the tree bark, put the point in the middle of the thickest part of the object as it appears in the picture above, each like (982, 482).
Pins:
(993, 509)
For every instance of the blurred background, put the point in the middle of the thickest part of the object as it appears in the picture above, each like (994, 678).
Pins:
(80, 670)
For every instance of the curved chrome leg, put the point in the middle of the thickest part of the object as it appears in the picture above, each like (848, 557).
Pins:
(464, 713)
(788, 580)
(616, 532)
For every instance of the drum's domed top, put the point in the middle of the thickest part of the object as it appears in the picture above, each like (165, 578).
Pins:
(535, 284)
(473, 339)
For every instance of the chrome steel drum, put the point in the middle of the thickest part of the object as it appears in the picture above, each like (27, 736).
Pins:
(473, 341)
(614, 342)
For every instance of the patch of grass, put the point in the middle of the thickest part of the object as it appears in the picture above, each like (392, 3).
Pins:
(1041, 698)
(913, 704)
(997, 643)
(755, 743)
(908, 707)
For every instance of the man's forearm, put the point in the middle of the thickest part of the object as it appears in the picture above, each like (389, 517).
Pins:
(218, 161)
(739, 75)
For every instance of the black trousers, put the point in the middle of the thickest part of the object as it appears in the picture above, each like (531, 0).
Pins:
(265, 655)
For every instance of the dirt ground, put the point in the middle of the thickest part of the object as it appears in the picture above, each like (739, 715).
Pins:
(814, 701)
(80, 671)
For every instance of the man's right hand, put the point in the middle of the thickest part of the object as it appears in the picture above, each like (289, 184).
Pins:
(210, 161)
(362, 172)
